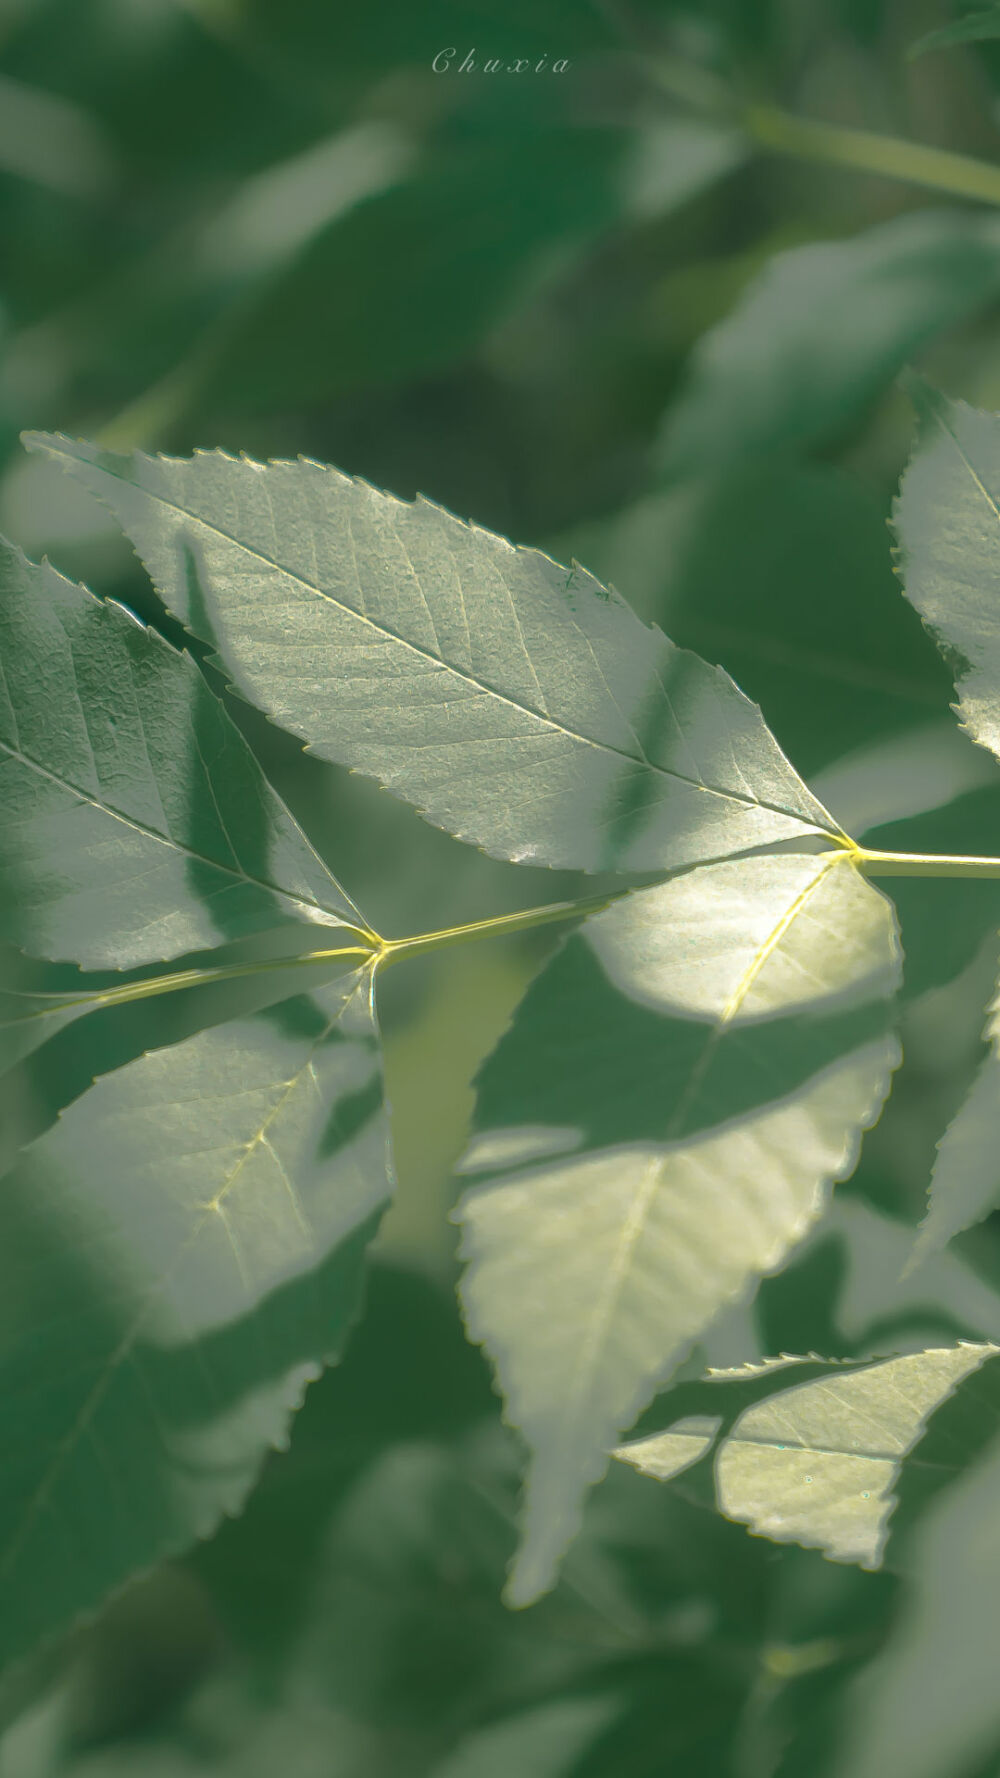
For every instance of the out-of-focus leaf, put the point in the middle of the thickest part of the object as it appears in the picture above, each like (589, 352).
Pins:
(965, 1184)
(817, 1462)
(975, 27)
(784, 572)
(821, 332)
(136, 823)
(411, 279)
(947, 520)
(657, 1130)
(547, 1742)
(912, 773)
(927, 1705)
(674, 159)
(516, 703)
(181, 1253)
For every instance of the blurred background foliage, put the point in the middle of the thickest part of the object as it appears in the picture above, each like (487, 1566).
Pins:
(590, 310)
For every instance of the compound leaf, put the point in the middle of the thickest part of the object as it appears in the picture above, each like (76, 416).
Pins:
(521, 706)
(135, 823)
(656, 1131)
(816, 1462)
(166, 1305)
(821, 332)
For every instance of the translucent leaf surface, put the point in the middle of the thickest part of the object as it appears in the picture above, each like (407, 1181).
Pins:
(180, 1254)
(656, 1131)
(816, 1463)
(135, 823)
(821, 331)
(947, 520)
(518, 704)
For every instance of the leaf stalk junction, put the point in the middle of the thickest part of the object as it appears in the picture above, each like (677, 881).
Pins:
(369, 948)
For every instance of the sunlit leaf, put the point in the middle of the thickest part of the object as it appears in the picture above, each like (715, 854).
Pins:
(817, 1462)
(181, 1252)
(519, 704)
(135, 823)
(657, 1130)
(947, 520)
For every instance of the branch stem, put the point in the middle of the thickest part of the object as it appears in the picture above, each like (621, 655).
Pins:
(384, 951)
(524, 921)
(889, 157)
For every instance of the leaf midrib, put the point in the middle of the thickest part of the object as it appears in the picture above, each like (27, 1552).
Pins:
(125, 1346)
(173, 845)
(645, 1194)
(392, 635)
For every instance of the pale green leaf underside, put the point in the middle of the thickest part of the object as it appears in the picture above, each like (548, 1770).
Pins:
(167, 1300)
(817, 1462)
(135, 823)
(947, 520)
(516, 703)
(657, 1130)
(821, 331)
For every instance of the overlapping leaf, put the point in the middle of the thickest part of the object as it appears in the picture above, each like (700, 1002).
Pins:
(656, 1131)
(816, 1462)
(180, 1254)
(518, 704)
(135, 823)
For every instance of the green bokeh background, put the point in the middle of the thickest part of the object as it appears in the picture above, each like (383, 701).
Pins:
(270, 225)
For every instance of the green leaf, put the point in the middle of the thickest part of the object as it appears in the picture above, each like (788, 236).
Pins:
(181, 1252)
(135, 823)
(947, 521)
(410, 279)
(783, 571)
(817, 1462)
(546, 1742)
(965, 1183)
(822, 331)
(657, 1130)
(975, 27)
(927, 1703)
(519, 705)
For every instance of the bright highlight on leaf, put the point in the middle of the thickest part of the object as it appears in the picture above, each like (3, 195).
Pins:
(516, 703)
(816, 1463)
(718, 1044)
